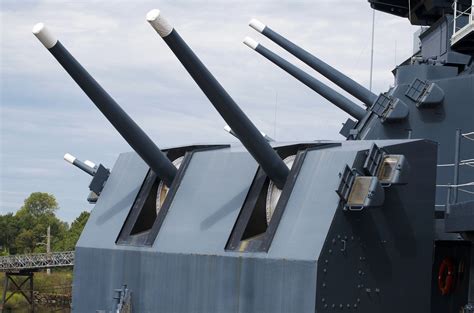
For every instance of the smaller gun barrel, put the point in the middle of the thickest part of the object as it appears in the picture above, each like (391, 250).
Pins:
(123, 123)
(82, 165)
(245, 130)
(339, 100)
(346, 83)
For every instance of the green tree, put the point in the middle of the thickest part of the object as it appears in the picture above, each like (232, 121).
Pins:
(39, 203)
(72, 236)
(25, 231)
(32, 221)
(9, 231)
(25, 242)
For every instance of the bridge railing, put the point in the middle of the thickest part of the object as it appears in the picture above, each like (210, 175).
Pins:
(36, 261)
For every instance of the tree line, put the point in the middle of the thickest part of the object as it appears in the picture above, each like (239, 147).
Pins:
(25, 231)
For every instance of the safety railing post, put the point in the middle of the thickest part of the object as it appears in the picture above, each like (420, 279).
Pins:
(471, 16)
(455, 15)
(457, 158)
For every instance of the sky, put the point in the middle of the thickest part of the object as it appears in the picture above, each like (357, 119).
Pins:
(44, 114)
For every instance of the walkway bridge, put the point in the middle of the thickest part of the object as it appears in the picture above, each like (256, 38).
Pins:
(34, 262)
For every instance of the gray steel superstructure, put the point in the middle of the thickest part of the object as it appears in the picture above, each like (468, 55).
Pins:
(381, 222)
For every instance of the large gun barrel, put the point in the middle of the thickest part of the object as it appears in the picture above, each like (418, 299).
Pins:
(346, 83)
(245, 130)
(129, 130)
(339, 100)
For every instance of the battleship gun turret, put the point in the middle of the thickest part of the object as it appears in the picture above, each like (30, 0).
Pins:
(122, 122)
(265, 226)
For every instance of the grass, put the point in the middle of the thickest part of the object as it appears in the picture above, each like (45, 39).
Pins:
(59, 282)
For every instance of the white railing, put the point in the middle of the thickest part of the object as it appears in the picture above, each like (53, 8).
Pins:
(457, 14)
(456, 186)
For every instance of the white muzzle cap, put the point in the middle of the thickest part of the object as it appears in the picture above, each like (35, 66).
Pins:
(69, 158)
(257, 25)
(89, 163)
(44, 35)
(161, 25)
(251, 43)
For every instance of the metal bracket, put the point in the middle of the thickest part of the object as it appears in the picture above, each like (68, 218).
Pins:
(100, 177)
(389, 168)
(358, 192)
(373, 160)
(124, 300)
(347, 128)
(425, 94)
(345, 183)
(389, 109)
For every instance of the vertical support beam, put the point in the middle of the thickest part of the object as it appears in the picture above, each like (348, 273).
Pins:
(5, 288)
(448, 199)
(457, 160)
(19, 288)
(471, 19)
(372, 51)
(32, 297)
(455, 15)
(48, 247)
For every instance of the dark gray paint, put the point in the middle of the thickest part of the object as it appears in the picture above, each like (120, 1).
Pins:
(438, 123)
(246, 131)
(122, 122)
(338, 78)
(339, 100)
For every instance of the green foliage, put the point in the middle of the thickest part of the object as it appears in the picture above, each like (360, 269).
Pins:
(59, 282)
(72, 236)
(10, 230)
(39, 203)
(25, 231)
